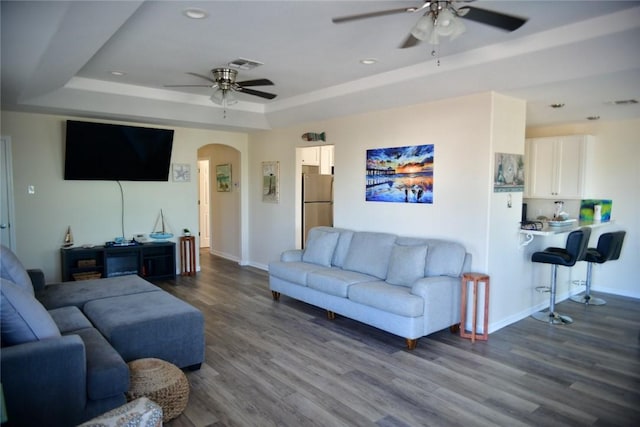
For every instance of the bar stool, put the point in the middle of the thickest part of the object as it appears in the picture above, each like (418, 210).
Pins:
(574, 251)
(609, 248)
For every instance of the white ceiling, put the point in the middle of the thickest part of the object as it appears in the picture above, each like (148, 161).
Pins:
(57, 57)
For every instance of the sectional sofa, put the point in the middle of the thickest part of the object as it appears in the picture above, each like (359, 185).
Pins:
(407, 286)
(65, 346)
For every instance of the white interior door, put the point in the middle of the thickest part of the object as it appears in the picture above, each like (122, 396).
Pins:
(7, 233)
(203, 179)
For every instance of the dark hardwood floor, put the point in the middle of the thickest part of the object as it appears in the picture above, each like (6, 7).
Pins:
(284, 364)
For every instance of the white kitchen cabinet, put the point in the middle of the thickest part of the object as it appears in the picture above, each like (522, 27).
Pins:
(311, 156)
(558, 167)
(326, 159)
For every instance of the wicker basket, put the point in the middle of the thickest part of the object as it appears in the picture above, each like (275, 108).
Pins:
(161, 382)
(87, 275)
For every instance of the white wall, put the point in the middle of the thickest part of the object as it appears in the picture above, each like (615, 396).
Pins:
(616, 176)
(91, 208)
(459, 129)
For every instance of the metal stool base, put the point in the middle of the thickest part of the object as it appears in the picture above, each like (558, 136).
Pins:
(552, 318)
(587, 300)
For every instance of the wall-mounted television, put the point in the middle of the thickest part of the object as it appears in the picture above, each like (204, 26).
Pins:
(101, 151)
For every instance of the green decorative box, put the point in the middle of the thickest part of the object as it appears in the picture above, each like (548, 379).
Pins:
(587, 209)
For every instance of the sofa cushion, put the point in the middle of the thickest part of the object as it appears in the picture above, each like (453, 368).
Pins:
(107, 373)
(151, 324)
(342, 248)
(406, 264)
(79, 293)
(69, 319)
(22, 317)
(369, 253)
(390, 298)
(12, 269)
(294, 272)
(320, 247)
(336, 281)
(444, 259)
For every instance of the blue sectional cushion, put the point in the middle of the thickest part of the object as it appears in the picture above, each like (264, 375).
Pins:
(406, 264)
(390, 298)
(369, 253)
(107, 373)
(69, 319)
(23, 318)
(12, 269)
(444, 259)
(336, 281)
(320, 247)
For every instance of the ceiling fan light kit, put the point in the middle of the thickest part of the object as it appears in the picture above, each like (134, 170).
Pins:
(442, 19)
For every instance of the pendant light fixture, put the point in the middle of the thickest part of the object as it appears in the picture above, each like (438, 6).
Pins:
(442, 20)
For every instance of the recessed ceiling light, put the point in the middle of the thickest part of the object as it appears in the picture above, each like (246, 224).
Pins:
(557, 105)
(593, 118)
(195, 13)
(117, 73)
(368, 61)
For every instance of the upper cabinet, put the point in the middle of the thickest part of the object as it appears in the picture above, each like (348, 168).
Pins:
(558, 167)
(321, 156)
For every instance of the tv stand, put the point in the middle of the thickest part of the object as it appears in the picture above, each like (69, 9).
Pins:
(151, 261)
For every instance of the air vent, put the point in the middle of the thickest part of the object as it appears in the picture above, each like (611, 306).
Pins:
(244, 64)
(623, 102)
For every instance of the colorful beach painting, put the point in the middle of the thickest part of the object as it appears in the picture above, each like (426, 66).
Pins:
(400, 174)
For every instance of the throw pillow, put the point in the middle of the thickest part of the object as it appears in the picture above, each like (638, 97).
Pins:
(12, 269)
(406, 264)
(22, 317)
(369, 253)
(320, 247)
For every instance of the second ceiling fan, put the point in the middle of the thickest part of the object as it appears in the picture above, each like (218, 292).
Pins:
(440, 19)
(224, 82)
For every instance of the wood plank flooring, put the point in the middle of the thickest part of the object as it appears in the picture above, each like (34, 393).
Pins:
(284, 364)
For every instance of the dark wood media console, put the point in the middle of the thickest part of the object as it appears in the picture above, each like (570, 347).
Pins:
(148, 260)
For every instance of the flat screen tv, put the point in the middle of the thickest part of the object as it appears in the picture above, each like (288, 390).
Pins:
(100, 151)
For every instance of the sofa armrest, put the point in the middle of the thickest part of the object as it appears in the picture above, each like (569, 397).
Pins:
(441, 296)
(44, 381)
(291, 255)
(37, 279)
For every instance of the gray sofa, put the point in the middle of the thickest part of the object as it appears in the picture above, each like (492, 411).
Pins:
(403, 285)
(65, 346)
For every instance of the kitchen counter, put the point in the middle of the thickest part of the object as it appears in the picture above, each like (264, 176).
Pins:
(547, 230)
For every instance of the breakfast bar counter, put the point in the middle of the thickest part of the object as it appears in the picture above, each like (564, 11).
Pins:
(548, 230)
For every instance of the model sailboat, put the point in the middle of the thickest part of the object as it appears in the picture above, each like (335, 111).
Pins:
(160, 233)
(68, 238)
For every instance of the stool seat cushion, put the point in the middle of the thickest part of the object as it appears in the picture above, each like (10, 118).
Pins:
(559, 257)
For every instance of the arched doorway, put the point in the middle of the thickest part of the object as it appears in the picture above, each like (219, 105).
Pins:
(223, 207)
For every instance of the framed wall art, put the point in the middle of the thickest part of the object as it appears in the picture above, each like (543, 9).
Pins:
(271, 182)
(400, 174)
(181, 172)
(223, 178)
(508, 175)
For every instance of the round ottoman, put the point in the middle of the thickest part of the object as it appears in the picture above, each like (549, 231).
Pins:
(160, 381)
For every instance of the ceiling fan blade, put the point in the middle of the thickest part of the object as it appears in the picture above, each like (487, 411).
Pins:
(410, 41)
(203, 77)
(256, 82)
(348, 18)
(256, 93)
(188, 85)
(495, 19)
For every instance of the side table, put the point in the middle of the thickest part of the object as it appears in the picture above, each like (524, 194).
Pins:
(474, 278)
(187, 256)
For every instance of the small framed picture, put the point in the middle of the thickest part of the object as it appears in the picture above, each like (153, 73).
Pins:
(223, 178)
(181, 172)
(271, 182)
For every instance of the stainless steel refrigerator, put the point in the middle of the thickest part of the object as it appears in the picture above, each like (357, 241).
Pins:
(317, 202)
